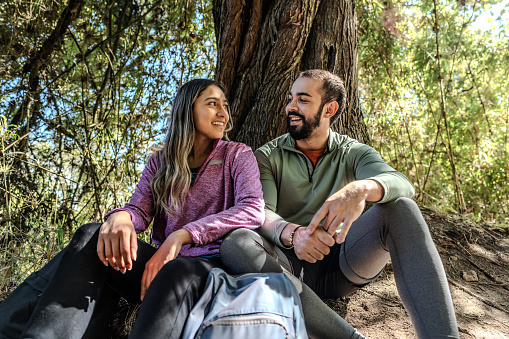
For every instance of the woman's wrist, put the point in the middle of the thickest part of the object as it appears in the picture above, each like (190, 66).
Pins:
(120, 215)
(182, 236)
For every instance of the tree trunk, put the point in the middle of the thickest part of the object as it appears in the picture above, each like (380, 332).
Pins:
(262, 46)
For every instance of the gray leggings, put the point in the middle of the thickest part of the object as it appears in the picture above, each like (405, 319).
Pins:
(394, 230)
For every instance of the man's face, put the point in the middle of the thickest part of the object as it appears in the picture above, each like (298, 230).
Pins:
(304, 108)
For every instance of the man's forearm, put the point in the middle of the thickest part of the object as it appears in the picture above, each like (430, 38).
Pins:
(374, 190)
(370, 188)
(272, 227)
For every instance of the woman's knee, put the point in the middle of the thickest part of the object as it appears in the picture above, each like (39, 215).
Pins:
(84, 235)
(184, 266)
(180, 275)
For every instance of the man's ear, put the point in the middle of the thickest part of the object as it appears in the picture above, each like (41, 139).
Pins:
(330, 109)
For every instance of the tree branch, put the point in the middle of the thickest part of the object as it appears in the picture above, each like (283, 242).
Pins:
(38, 59)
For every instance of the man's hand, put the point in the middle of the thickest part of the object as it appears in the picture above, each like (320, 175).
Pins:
(312, 247)
(342, 208)
(117, 243)
(168, 251)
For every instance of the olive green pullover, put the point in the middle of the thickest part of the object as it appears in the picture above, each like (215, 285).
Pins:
(294, 189)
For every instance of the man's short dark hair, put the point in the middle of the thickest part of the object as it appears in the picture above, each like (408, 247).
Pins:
(333, 88)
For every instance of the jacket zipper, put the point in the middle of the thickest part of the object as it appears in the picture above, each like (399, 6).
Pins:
(244, 320)
(310, 175)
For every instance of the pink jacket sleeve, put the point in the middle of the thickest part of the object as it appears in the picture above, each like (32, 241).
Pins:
(141, 206)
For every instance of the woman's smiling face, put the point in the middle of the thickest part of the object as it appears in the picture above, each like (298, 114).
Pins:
(210, 114)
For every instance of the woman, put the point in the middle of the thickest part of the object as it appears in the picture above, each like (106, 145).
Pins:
(196, 189)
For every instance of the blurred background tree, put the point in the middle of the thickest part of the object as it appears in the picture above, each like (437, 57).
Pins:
(433, 82)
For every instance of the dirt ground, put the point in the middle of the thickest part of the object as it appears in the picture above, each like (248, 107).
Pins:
(482, 305)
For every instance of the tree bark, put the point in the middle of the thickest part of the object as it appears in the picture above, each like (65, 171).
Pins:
(332, 45)
(262, 46)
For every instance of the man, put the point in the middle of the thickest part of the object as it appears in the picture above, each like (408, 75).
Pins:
(315, 184)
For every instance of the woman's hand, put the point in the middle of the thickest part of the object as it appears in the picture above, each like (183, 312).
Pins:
(168, 251)
(117, 244)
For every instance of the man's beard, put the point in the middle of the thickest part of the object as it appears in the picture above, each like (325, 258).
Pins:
(307, 128)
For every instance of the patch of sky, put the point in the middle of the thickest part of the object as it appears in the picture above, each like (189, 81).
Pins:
(493, 18)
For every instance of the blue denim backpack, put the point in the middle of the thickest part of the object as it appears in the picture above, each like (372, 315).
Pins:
(257, 306)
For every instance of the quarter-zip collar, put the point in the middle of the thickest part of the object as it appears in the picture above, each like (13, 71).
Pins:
(291, 145)
(205, 163)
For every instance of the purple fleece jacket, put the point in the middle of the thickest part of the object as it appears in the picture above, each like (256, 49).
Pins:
(226, 194)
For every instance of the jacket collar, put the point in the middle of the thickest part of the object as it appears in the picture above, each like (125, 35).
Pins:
(218, 144)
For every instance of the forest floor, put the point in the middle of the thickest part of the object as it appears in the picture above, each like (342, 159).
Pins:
(476, 260)
(481, 302)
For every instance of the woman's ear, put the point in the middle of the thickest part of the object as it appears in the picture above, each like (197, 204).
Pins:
(330, 109)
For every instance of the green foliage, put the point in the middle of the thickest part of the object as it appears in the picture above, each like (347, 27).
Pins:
(100, 101)
(400, 93)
